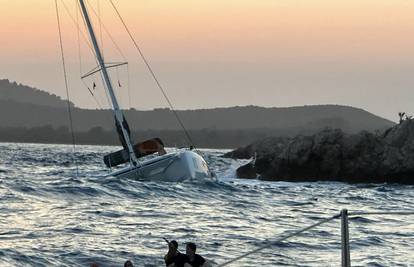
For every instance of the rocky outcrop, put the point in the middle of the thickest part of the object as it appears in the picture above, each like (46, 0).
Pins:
(332, 155)
(260, 147)
(247, 171)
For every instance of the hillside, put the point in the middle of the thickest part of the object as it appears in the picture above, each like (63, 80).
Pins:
(17, 114)
(12, 91)
(24, 107)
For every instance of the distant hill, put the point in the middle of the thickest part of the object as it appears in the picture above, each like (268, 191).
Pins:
(12, 91)
(24, 107)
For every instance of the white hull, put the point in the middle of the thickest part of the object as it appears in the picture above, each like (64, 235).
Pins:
(172, 167)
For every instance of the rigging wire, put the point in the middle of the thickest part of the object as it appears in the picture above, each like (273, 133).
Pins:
(118, 85)
(100, 27)
(93, 51)
(97, 13)
(112, 40)
(107, 31)
(160, 87)
(77, 25)
(79, 43)
(80, 55)
(67, 88)
(129, 88)
(86, 40)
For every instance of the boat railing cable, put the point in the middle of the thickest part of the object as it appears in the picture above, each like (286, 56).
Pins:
(381, 213)
(67, 89)
(344, 215)
(283, 238)
(154, 76)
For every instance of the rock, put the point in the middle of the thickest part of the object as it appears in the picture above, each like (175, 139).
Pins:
(247, 171)
(259, 147)
(332, 155)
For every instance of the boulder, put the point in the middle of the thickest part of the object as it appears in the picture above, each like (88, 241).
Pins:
(247, 171)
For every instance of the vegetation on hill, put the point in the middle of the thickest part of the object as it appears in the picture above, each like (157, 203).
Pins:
(30, 115)
(14, 92)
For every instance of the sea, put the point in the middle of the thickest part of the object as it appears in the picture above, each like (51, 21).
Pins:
(58, 208)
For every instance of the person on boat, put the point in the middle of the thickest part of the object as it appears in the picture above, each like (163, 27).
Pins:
(194, 260)
(174, 258)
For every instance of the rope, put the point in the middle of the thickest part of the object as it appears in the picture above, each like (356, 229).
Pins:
(67, 88)
(160, 87)
(272, 243)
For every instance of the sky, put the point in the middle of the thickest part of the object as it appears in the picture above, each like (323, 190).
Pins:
(218, 53)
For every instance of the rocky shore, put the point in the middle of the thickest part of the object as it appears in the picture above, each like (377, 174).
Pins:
(332, 155)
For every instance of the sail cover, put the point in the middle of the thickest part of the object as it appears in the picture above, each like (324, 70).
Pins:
(142, 149)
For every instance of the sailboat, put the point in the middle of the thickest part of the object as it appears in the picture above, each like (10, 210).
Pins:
(183, 164)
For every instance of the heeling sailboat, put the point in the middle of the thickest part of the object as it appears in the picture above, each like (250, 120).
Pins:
(184, 164)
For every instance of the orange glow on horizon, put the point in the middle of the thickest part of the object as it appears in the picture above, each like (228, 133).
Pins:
(227, 52)
(227, 29)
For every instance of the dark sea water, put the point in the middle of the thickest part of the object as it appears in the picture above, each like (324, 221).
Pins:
(50, 216)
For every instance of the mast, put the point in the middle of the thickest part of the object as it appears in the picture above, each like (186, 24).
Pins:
(119, 116)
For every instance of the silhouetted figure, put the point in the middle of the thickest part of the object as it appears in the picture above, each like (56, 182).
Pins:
(194, 259)
(174, 258)
(128, 264)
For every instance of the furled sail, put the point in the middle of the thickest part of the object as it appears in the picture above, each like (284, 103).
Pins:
(119, 131)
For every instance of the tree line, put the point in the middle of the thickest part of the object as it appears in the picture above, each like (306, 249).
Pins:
(204, 138)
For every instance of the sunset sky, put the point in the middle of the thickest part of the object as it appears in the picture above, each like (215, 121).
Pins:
(226, 52)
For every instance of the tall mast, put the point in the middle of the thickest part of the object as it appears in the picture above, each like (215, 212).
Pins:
(119, 116)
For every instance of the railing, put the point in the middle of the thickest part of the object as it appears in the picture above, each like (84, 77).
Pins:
(343, 215)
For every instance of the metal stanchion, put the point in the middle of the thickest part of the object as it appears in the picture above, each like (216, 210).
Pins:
(346, 254)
